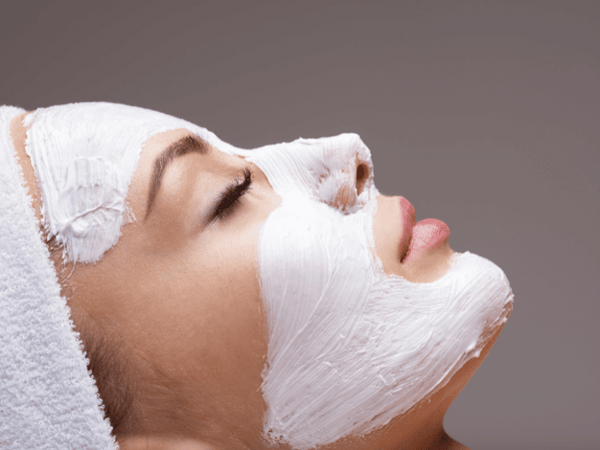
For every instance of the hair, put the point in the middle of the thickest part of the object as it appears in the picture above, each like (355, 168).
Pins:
(109, 363)
(114, 371)
(134, 391)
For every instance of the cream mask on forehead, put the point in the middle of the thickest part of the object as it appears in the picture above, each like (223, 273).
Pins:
(84, 156)
(349, 347)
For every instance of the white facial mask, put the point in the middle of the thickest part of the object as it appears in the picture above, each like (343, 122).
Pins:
(350, 347)
(84, 156)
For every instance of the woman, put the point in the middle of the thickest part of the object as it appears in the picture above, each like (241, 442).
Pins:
(272, 298)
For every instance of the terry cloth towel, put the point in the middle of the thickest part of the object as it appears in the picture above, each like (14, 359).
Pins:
(48, 400)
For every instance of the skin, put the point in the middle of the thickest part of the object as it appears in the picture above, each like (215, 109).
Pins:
(186, 302)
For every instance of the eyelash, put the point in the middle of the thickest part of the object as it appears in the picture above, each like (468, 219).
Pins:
(231, 197)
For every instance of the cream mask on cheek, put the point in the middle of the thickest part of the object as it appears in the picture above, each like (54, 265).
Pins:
(84, 156)
(350, 347)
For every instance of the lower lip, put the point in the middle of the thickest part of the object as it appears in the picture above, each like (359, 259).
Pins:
(427, 235)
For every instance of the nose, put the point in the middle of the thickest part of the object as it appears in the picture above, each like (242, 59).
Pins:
(335, 170)
(347, 174)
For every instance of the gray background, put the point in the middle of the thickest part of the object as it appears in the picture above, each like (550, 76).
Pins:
(483, 113)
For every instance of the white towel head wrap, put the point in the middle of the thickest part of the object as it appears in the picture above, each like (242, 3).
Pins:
(48, 400)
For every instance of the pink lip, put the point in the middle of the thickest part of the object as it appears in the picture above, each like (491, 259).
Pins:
(418, 238)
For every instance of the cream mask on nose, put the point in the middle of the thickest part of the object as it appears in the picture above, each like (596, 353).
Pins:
(349, 347)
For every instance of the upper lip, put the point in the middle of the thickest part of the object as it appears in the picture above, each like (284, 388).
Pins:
(407, 211)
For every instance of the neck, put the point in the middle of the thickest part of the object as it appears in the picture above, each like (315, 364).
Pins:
(447, 443)
(431, 439)
(436, 439)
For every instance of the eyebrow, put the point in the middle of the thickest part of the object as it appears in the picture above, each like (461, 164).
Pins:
(183, 146)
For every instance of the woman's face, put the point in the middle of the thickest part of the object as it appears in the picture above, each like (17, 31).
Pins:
(194, 286)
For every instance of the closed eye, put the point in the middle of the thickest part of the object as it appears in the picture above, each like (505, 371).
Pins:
(229, 199)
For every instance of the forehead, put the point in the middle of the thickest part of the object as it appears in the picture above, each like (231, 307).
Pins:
(84, 156)
(101, 129)
(110, 129)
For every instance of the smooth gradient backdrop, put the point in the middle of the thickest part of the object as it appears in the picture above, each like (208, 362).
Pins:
(485, 114)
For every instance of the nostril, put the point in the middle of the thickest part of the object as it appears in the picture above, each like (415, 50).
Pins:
(362, 173)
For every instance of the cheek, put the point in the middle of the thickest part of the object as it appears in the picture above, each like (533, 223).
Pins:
(226, 338)
(197, 315)
(223, 272)
(343, 336)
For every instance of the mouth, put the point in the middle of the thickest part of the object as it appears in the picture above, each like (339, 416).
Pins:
(420, 237)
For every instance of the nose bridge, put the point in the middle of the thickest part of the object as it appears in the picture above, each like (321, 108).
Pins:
(339, 152)
(347, 146)
(334, 170)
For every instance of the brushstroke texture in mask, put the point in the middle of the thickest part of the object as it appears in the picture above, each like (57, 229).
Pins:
(350, 347)
(84, 156)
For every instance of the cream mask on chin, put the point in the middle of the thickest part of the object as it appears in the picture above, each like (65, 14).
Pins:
(350, 347)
